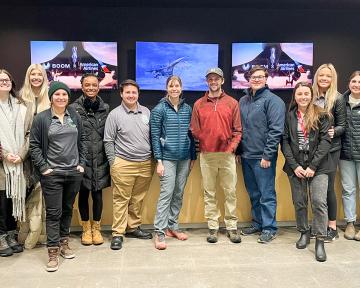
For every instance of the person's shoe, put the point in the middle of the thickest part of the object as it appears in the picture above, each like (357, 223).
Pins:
(65, 250)
(53, 262)
(331, 235)
(5, 249)
(304, 240)
(320, 254)
(116, 243)
(97, 238)
(212, 237)
(178, 234)
(250, 230)
(138, 233)
(357, 236)
(233, 235)
(160, 243)
(350, 231)
(312, 234)
(13, 244)
(86, 236)
(266, 237)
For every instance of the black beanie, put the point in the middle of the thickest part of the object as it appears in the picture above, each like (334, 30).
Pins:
(56, 85)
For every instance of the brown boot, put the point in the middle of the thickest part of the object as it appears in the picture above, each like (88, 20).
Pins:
(97, 238)
(65, 251)
(86, 236)
(53, 263)
(350, 231)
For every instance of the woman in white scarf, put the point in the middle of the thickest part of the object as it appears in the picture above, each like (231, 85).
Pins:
(14, 132)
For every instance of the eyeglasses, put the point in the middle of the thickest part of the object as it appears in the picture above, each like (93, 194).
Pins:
(5, 81)
(253, 78)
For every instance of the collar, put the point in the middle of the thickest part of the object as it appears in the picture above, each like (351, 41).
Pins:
(128, 111)
(211, 99)
(54, 116)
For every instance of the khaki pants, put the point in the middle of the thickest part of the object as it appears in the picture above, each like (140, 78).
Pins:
(223, 166)
(131, 181)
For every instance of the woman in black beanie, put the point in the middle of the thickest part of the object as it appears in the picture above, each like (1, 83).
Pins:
(58, 152)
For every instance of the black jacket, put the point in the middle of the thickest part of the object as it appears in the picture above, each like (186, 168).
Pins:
(319, 146)
(39, 139)
(350, 149)
(339, 122)
(97, 171)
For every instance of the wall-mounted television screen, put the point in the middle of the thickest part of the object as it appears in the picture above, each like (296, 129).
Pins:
(156, 61)
(287, 63)
(67, 61)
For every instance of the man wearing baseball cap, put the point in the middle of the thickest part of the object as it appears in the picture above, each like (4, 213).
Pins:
(216, 124)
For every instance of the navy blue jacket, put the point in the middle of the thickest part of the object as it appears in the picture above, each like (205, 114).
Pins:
(170, 135)
(262, 119)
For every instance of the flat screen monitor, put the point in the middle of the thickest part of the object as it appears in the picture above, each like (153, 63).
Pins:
(287, 63)
(67, 61)
(156, 61)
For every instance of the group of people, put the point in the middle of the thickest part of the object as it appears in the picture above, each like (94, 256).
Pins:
(52, 150)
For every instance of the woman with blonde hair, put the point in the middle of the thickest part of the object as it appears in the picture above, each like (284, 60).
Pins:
(327, 97)
(305, 145)
(35, 91)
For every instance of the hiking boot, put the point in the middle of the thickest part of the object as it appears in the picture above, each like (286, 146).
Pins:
(233, 235)
(160, 243)
(266, 237)
(86, 236)
(178, 234)
(97, 238)
(350, 231)
(5, 249)
(332, 234)
(53, 262)
(250, 230)
(212, 237)
(13, 244)
(65, 250)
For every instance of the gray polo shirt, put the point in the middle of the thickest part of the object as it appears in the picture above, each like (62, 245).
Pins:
(127, 134)
(63, 151)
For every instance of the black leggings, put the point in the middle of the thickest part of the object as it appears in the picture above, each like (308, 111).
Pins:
(84, 204)
(7, 221)
(331, 197)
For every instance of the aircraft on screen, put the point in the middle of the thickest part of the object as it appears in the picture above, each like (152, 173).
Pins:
(165, 70)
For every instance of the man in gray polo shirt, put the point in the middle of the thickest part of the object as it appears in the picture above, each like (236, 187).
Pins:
(127, 147)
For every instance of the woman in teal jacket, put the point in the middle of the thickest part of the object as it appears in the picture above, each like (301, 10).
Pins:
(174, 150)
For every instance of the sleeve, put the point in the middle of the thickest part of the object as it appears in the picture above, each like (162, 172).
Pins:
(286, 147)
(156, 122)
(82, 145)
(339, 116)
(109, 137)
(35, 145)
(195, 122)
(276, 118)
(236, 129)
(24, 150)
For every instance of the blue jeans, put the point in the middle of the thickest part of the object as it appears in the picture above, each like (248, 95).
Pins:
(172, 186)
(350, 179)
(260, 185)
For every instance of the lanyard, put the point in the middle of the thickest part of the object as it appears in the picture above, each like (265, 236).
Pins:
(302, 125)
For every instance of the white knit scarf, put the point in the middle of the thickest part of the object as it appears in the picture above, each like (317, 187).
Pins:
(11, 141)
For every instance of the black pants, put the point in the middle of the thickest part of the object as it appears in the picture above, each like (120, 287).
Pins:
(59, 189)
(7, 221)
(331, 194)
(84, 204)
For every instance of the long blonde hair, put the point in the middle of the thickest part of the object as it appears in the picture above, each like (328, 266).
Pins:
(27, 93)
(332, 92)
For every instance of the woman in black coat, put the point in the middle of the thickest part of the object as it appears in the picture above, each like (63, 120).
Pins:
(305, 145)
(93, 111)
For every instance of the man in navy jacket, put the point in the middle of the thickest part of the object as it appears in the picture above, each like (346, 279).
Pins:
(262, 117)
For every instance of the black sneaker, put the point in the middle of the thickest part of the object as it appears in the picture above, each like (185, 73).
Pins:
(116, 243)
(266, 237)
(250, 230)
(139, 234)
(13, 244)
(212, 237)
(331, 235)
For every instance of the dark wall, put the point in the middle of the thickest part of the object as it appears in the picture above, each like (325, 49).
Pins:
(333, 31)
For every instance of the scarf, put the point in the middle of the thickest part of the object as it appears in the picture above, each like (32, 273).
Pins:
(12, 139)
